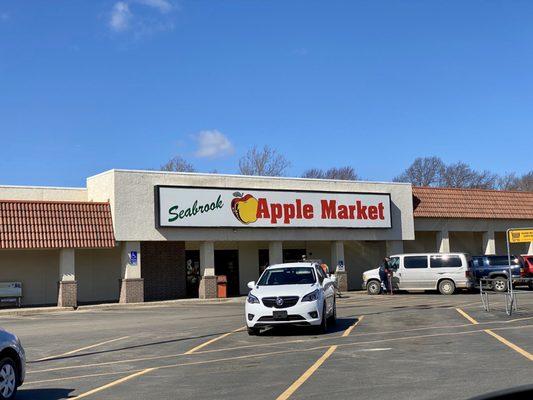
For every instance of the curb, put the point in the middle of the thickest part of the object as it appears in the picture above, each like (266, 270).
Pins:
(117, 306)
(33, 311)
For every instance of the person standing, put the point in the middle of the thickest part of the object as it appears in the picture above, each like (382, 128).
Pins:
(384, 270)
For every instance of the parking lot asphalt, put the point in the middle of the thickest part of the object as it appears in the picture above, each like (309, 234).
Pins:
(416, 346)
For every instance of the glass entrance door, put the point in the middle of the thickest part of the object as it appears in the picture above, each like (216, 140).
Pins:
(227, 263)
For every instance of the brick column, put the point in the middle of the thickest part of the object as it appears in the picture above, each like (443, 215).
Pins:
(337, 256)
(208, 280)
(131, 283)
(67, 286)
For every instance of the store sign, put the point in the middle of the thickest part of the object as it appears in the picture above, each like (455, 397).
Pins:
(521, 235)
(208, 207)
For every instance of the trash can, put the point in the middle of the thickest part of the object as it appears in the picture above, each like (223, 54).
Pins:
(222, 286)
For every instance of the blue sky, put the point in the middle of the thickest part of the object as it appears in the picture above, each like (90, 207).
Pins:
(87, 86)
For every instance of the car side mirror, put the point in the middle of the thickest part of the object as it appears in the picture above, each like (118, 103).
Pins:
(251, 284)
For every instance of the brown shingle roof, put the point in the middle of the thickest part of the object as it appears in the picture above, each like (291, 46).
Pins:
(50, 224)
(471, 203)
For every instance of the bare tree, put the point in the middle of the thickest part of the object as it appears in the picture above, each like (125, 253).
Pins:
(265, 162)
(341, 173)
(424, 171)
(178, 164)
(461, 175)
(522, 183)
(314, 173)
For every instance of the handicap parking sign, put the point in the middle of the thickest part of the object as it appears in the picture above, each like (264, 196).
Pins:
(133, 257)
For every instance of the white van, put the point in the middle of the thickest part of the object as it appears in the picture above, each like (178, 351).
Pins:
(444, 272)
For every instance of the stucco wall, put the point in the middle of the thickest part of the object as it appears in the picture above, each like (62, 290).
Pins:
(361, 256)
(38, 270)
(131, 194)
(425, 242)
(466, 242)
(42, 193)
(468, 225)
(98, 274)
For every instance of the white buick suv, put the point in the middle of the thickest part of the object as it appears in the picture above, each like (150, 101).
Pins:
(291, 294)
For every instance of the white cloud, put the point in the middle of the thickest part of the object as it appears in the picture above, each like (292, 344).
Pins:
(135, 15)
(213, 144)
(120, 16)
(163, 6)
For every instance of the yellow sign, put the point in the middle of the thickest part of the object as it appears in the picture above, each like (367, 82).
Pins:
(521, 235)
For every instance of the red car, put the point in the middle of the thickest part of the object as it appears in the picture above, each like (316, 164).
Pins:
(526, 270)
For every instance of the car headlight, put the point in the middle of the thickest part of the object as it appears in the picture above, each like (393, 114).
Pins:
(311, 296)
(252, 299)
(364, 277)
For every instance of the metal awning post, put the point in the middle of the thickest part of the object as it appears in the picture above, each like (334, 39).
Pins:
(509, 308)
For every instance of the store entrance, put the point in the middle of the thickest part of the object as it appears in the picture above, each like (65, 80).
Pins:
(192, 268)
(227, 263)
(293, 255)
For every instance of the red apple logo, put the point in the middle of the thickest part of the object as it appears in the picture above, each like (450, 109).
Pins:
(244, 207)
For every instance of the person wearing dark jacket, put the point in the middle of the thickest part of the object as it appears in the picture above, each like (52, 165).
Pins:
(384, 270)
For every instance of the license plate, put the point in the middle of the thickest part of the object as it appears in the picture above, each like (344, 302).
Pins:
(279, 314)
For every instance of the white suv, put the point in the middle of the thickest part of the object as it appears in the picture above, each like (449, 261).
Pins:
(294, 293)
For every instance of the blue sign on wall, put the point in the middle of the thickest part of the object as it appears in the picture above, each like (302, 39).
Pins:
(133, 257)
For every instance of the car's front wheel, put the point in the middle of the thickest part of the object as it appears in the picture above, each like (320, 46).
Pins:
(373, 287)
(8, 378)
(333, 316)
(253, 331)
(323, 327)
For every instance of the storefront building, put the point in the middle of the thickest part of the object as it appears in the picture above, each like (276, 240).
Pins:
(134, 236)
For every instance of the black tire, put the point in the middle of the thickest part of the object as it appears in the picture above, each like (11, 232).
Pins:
(8, 388)
(323, 327)
(499, 284)
(530, 286)
(333, 317)
(373, 287)
(253, 331)
(447, 287)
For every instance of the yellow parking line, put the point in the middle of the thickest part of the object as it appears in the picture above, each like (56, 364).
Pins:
(281, 352)
(82, 348)
(201, 346)
(145, 371)
(468, 317)
(350, 329)
(513, 346)
(301, 380)
(114, 383)
(307, 374)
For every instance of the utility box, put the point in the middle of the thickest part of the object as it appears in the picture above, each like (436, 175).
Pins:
(222, 286)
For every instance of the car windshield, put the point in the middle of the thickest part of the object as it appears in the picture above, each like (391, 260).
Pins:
(287, 276)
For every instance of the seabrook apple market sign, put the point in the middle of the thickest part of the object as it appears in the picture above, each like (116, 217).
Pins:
(211, 207)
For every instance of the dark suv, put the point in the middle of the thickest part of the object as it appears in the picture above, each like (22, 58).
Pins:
(497, 268)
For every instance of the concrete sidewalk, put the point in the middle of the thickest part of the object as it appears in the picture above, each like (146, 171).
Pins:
(118, 306)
